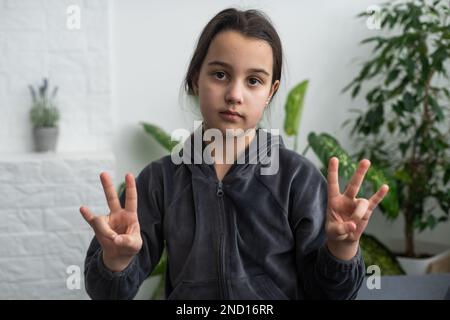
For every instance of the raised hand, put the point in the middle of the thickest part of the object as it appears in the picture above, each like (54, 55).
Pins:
(348, 216)
(118, 232)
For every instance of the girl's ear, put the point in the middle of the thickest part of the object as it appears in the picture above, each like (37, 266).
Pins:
(272, 91)
(195, 84)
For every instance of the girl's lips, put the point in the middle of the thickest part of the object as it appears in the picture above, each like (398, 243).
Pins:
(232, 112)
(230, 116)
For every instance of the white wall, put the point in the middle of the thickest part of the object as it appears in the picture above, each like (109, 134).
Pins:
(153, 42)
(35, 43)
(42, 232)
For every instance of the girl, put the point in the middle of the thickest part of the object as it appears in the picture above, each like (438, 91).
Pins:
(230, 231)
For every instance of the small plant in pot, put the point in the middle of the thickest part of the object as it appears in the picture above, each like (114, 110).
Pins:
(44, 116)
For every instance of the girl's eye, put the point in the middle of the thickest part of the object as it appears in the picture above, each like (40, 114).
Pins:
(219, 75)
(254, 83)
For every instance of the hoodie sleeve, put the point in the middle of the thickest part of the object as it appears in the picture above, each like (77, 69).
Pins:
(100, 282)
(321, 275)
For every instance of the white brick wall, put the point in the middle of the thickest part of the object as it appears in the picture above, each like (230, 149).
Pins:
(35, 43)
(41, 229)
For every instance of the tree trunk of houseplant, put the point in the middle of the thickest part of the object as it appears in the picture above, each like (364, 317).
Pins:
(409, 236)
(45, 138)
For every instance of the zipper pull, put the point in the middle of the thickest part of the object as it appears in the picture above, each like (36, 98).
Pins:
(219, 189)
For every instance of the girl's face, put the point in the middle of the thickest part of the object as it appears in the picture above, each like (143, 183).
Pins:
(235, 76)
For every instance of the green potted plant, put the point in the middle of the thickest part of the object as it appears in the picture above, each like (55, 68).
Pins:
(405, 127)
(44, 116)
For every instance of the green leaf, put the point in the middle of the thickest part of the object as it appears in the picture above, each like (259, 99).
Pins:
(160, 270)
(371, 39)
(294, 107)
(404, 146)
(375, 252)
(161, 266)
(356, 90)
(121, 188)
(431, 221)
(436, 109)
(44, 112)
(325, 147)
(160, 136)
(447, 175)
(392, 76)
(408, 101)
(391, 126)
(403, 176)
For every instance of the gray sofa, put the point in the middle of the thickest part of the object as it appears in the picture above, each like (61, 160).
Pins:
(409, 287)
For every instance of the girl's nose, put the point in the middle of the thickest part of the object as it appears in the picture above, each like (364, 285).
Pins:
(234, 93)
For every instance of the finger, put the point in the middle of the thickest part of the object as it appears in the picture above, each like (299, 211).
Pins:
(87, 215)
(355, 183)
(128, 241)
(131, 193)
(378, 196)
(333, 215)
(102, 228)
(110, 192)
(332, 177)
(360, 210)
(340, 230)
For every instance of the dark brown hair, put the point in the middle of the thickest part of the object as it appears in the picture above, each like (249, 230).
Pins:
(250, 23)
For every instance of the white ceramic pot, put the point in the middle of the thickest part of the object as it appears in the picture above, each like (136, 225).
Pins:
(419, 265)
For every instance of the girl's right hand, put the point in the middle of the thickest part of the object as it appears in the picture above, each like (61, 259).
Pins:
(118, 232)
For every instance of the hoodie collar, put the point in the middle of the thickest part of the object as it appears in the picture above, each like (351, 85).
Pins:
(258, 153)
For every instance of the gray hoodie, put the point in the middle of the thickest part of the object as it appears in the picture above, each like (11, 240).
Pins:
(252, 235)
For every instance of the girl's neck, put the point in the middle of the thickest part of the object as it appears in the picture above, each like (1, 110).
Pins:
(239, 144)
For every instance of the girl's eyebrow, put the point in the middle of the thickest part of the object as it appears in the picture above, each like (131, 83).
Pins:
(226, 65)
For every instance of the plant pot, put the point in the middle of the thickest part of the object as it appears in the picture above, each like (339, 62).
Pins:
(434, 252)
(45, 139)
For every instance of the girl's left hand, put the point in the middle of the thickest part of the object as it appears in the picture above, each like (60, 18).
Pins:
(348, 216)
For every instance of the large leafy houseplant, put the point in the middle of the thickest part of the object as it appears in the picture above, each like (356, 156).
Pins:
(405, 128)
(325, 146)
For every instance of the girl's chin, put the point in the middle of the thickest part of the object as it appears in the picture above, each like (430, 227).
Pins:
(234, 130)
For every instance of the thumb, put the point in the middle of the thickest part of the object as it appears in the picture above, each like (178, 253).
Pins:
(102, 228)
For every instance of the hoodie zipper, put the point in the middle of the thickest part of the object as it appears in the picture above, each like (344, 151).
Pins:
(222, 282)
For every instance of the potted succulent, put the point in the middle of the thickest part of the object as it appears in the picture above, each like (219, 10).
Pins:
(44, 116)
(405, 129)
